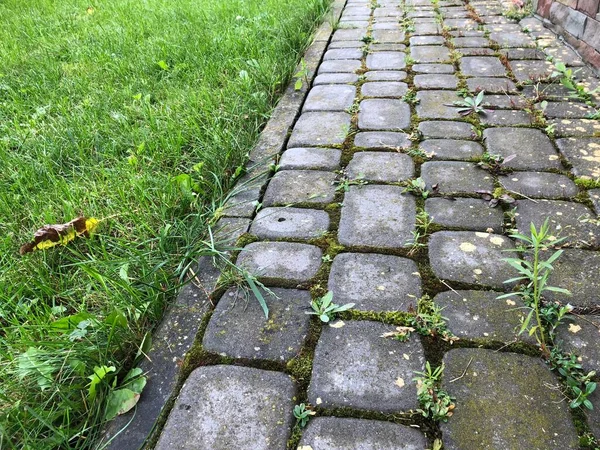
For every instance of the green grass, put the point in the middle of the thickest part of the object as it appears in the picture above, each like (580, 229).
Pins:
(100, 108)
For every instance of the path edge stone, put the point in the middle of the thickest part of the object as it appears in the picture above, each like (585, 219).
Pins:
(141, 427)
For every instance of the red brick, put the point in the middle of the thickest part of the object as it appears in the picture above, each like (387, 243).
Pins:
(589, 54)
(570, 3)
(588, 7)
(543, 8)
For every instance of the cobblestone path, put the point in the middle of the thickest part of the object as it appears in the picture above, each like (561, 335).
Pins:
(335, 217)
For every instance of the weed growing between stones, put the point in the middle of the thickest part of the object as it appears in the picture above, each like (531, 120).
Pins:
(435, 403)
(579, 383)
(470, 105)
(420, 234)
(325, 309)
(518, 10)
(418, 188)
(495, 164)
(302, 413)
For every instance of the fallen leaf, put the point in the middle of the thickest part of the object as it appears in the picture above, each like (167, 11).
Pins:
(399, 382)
(60, 234)
(574, 328)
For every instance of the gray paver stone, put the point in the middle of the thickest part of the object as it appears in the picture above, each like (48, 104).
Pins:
(384, 89)
(339, 66)
(335, 433)
(456, 177)
(281, 260)
(343, 53)
(477, 42)
(385, 75)
(531, 70)
(389, 36)
(502, 101)
(320, 128)
(386, 61)
(504, 117)
(375, 282)
(575, 127)
(464, 213)
(297, 223)
(355, 367)
(567, 110)
(584, 154)
(481, 315)
(504, 401)
(512, 39)
(565, 219)
(482, 66)
(330, 98)
(300, 186)
(434, 105)
(491, 85)
(430, 53)
(238, 327)
(377, 216)
(212, 410)
(433, 68)
(335, 78)
(383, 114)
(532, 147)
(595, 198)
(582, 338)
(427, 40)
(387, 47)
(349, 34)
(310, 158)
(451, 149)
(435, 81)
(471, 51)
(539, 184)
(447, 130)
(382, 140)
(381, 166)
(577, 271)
(422, 29)
(471, 257)
(354, 43)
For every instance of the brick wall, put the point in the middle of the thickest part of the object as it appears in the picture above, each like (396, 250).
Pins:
(578, 21)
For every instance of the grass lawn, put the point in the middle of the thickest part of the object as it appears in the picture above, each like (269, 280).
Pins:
(102, 104)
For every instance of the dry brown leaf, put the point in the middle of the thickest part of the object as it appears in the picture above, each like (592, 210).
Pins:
(59, 234)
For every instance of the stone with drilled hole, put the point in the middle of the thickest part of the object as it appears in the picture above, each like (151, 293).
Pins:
(377, 216)
(456, 177)
(504, 401)
(212, 410)
(297, 223)
(375, 282)
(355, 367)
(300, 186)
(471, 257)
(310, 158)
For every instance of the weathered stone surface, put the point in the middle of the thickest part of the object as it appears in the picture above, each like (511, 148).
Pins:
(334, 433)
(481, 315)
(384, 89)
(477, 42)
(355, 367)
(349, 34)
(570, 110)
(229, 229)
(491, 85)
(212, 410)
(595, 198)
(389, 36)
(447, 130)
(355, 43)
(539, 184)
(386, 61)
(435, 81)
(535, 151)
(575, 127)
(381, 166)
(465, 24)
(386, 47)
(584, 154)
(472, 51)
(565, 219)
(385, 75)
(388, 114)
(470, 257)
(339, 66)
(310, 158)
(434, 105)
(531, 70)
(330, 98)
(281, 260)
(581, 336)
(427, 40)
(433, 68)
(430, 54)
(335, 78)
(456, 177)
(238, 327)
(504, 117)
(382, 140)
(482, 66)
(523, 53)
(300, 186)
(343, 53)
(426, 29)
(503, 101)
(298, 223)
(568, 274)
(464, 213)
(512, 39)
(504, 401)
(320, 128)
(377, 216)
(375, 282)
(451, 149)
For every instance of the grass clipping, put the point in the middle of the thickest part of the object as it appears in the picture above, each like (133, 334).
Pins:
(60, 234)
